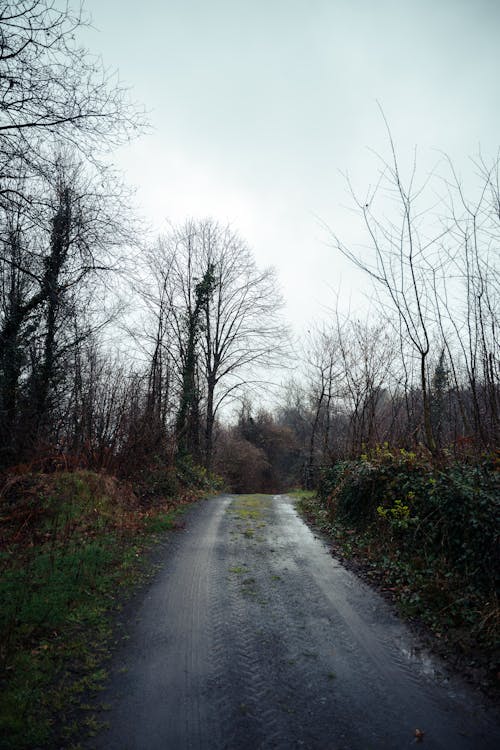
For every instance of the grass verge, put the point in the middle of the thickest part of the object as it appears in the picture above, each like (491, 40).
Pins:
(299, 494)
(72, 548)
(456, 620)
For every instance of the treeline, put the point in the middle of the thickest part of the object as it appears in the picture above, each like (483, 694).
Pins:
(425, 368)
(191, 313)
(422, 368)
(64, 219)
(356, 389)
(431, 247)
(118, 352)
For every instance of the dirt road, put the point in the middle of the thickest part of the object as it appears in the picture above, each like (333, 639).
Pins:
(253, 637)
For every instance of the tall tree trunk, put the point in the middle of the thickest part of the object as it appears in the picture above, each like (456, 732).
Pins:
(60, 240)
(426, 405)
(210, 421)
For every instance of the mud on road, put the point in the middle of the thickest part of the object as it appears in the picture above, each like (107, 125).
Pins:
(252, 637)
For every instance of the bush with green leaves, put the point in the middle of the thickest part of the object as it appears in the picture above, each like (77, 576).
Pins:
(196, 477)
(445, 511)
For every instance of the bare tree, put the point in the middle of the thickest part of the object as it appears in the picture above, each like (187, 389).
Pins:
(53, 92)
(348, 368)
(403, 251)
(467, 295)
(433, 256)
(54, 257)
(223, 320)
(242, 330)
(323, 372)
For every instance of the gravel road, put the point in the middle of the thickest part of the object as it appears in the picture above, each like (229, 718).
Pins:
(251, 636)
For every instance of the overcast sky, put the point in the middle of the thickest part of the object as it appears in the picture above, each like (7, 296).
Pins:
(259, 106)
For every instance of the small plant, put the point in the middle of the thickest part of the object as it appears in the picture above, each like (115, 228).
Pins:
(397, 515)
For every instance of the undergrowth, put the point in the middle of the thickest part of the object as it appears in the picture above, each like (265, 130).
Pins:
(72, 545)
(425, 530)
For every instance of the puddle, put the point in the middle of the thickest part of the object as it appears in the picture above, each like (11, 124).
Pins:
(423, 661)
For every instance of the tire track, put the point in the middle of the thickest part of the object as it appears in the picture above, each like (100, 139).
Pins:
(252, 720)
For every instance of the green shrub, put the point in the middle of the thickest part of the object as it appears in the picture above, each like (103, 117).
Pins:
(158, 482)
(446, 512)
(196, 477)
(460, 515)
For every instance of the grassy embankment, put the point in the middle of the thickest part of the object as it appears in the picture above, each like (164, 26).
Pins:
(427, 533)
(72, 546)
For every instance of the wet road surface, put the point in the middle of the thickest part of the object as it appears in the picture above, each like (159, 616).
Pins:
(253, 637)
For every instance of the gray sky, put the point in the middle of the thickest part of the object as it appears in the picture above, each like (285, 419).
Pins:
(259, 106)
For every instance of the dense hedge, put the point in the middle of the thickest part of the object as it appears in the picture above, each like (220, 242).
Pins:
(446, 513)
